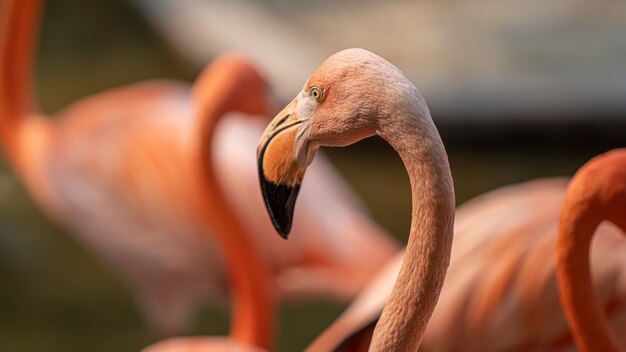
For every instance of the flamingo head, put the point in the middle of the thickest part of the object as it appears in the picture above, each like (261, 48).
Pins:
(341, 103)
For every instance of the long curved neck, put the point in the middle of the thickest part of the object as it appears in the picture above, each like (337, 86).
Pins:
(252, 304)
(580, 217)
(403, 321)
(18, 25)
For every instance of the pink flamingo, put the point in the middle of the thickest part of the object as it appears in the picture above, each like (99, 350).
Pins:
(124, 172)
(500, 291)
(353, 95)
(597, 193)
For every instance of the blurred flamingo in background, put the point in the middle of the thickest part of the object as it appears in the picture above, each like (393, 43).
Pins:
(353, 95)
(597, 193)
(125, 172)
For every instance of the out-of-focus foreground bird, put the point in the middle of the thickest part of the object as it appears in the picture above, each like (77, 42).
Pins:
(124, 172)
(500, 292)
(596, 194)
(355, 94)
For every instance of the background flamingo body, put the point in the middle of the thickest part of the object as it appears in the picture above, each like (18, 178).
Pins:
(119, 171)
(120, 180)
(500, 292)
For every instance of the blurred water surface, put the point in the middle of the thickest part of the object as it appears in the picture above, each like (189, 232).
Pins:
(56, 297)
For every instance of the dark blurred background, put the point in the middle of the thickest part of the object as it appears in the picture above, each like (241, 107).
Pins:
(56, 297)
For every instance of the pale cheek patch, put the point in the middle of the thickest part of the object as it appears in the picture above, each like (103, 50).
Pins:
(305, 107)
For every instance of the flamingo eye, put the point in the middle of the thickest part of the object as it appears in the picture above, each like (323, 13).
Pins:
(317, 93)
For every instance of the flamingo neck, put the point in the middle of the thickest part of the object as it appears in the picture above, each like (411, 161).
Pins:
(411, 303)
(252, 305)
(579, 219)
(18, 26)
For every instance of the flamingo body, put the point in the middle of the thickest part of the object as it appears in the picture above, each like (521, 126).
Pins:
(500, 292)
(117, 171)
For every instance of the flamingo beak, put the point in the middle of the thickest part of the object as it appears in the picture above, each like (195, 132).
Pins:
(280, 172)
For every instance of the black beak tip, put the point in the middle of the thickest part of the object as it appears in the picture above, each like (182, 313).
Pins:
(282, 232)
(280, 213)
(280, 201)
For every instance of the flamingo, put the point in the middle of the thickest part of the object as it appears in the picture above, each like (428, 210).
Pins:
(597, 193)
(119, 170)
(500, 292)
(356, 94)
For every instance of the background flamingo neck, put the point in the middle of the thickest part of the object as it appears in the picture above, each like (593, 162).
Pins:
(252, 304)
(403, 321)
(212, 93)
(586, 319)
(18, 26)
